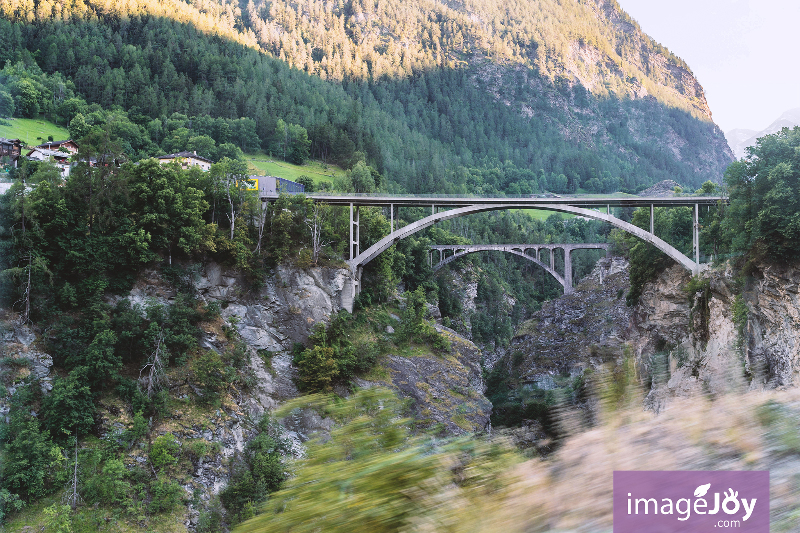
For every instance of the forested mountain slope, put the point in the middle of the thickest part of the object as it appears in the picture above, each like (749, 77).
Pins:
(481, 97)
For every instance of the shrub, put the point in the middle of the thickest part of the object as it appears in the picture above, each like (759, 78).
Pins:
(781, 425)
(164, 451)
(317, 367)
(58, 518)
(212, 375)
(68, 409)
(259, 472)
(137, 430)
(210, 520)
(197, 449)
(109, 486)
(30, 461)
(366, 353)
(414, 327)
(9, 503)
(212, 311)
(165, 495)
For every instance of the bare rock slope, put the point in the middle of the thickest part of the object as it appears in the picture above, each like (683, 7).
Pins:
(445, 390)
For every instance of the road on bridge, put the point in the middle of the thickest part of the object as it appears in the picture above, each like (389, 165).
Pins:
(590, 201)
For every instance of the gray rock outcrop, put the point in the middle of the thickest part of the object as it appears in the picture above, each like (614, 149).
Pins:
(584, 329)
(772, 333)
(23, 361)
(683, 344)
(445, 390)
(694, 333)
(284, 310)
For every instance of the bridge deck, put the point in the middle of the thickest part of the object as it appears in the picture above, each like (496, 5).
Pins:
(503, 247)
(462, 201)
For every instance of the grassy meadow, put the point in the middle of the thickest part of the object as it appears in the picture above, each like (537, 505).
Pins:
(31, 131)
(263, 165)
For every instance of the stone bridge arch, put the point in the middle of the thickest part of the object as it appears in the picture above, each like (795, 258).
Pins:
(521, 251)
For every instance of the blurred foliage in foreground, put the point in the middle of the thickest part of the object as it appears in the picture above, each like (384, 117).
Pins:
(373, 476)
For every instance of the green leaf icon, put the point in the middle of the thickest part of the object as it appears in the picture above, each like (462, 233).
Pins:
(700, 491)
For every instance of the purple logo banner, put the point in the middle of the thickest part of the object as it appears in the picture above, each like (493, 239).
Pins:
(691, 502)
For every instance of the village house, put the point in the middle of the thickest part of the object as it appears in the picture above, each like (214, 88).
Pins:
(10, 148)
(61, 159)
(68, 145)
(187, 159)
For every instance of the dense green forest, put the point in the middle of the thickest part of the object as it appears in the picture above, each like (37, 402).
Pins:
(440, 128)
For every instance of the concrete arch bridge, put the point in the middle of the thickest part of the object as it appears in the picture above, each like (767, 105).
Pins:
(594, 207)
(522, 250)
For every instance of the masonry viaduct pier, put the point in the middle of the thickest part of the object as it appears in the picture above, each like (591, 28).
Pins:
(446, 207)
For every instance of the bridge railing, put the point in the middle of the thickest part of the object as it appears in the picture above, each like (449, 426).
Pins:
(500, 196)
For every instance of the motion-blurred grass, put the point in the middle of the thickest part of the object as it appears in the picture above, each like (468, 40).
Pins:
(485, 486)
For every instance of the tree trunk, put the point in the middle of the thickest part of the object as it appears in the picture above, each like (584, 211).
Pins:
(262, 216)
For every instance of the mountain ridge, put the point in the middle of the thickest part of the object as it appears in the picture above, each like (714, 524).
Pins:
(559, 96)
(740, 138)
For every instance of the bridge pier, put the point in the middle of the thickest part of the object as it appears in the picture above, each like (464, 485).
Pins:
(696, 239)
(652, 219)
(355, 231)
(348, 294)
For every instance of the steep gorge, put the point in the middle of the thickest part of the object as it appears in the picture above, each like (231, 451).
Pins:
(683, 346)
(687, 338)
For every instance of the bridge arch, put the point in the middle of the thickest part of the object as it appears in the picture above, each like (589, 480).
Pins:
(462, 253)
(521, 251)
(358, 262)
(559, 278)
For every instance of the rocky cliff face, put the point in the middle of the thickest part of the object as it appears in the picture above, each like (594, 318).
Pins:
(269, 321)
(284, 310)
(683, 343)
(687, 343)
(22, 360)
(772, 332)
(707, 353)
(445, 391)
(574, 332)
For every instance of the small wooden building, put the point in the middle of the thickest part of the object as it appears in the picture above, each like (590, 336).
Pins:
(11, 148)
(61, 159)
(68, 145)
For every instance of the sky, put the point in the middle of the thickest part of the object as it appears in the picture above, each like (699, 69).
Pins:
(744, 53)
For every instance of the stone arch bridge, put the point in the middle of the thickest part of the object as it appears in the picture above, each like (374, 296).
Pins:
(522, 250)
